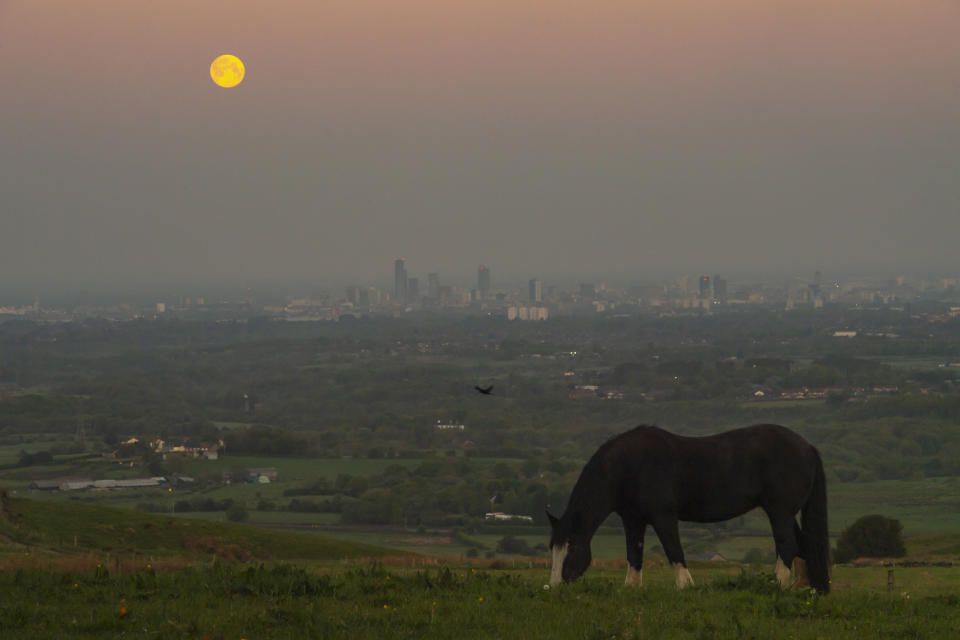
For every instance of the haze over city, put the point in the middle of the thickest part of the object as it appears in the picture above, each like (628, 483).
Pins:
(640, 139)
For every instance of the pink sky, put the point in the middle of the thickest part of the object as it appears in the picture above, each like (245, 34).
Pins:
(439, 54)
(433, 107)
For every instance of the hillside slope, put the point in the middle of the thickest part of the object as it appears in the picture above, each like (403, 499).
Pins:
(67, 528)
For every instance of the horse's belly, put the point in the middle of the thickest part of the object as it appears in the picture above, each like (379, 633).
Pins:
(714, 512)
(711, 517)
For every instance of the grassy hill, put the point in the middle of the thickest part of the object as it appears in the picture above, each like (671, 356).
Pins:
(63, 528)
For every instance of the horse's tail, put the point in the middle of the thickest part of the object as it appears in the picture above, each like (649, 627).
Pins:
(815, 539)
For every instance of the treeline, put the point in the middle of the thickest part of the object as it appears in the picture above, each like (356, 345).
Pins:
(438, 492)
(377, 389)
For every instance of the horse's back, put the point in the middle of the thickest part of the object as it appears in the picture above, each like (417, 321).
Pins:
(714, 477)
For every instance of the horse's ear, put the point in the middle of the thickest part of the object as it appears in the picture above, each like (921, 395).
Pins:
(552, 519)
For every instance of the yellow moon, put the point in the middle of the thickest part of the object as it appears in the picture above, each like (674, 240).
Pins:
(227, 70)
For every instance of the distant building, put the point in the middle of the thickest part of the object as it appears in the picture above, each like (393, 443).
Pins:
(527, 313)
(208, 450)
(719, 290)
(400, 280)
(500, 516)
(83, 484)
(817, 283)
(433, 286)
(413, 290)
(353, 294)
(483, 281)
(705, 287)
(262, 475)
(535, 293)
(584, 391)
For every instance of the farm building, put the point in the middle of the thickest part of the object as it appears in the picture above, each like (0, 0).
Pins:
(73, 484)
(263, 475)
(499, 516)
(208, 450)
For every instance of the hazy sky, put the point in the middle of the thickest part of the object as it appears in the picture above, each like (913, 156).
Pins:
(533, 135)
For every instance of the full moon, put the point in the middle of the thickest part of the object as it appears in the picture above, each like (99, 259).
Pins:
(227, 70)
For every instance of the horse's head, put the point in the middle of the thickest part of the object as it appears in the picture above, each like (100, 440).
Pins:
(570, 548)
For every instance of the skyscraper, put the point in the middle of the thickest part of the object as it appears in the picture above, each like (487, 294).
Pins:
(483, 281)
(353, 294)
(719, 289)
(400, 280)
(536, 291)
(433, 286)
(705, 287)
(413, 290)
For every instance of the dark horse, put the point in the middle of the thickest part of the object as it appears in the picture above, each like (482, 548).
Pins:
(649, 476)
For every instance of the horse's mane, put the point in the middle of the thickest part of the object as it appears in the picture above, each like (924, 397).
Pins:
(593, 469)
(612, 440)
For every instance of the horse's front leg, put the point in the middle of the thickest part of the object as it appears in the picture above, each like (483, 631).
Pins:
(668, 531)
(635, 528)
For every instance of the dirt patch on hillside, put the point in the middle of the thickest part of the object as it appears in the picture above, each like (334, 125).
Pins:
(216, 546)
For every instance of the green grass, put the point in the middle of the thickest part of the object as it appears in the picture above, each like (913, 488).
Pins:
(783, 404)
(10, 453)
(915, 363)
(458, 602)
(934, 546)
(118, 592)
(928, 507)
(299, 469)
(280, 518)
(924, 507)
(62, 527)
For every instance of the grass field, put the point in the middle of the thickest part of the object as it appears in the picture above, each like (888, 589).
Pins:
(926, 508)
(82, 571)
(299, 469)
(10, 453)
(284, 601)
(52, 529)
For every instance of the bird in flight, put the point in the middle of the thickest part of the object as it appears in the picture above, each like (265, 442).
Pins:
(486, 391)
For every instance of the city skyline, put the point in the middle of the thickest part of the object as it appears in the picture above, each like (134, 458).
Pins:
(615, 137)
(428, 284)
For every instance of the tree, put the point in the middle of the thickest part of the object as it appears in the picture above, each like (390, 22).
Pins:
(237, 513)
(30, 459)
(514, 546)
(872, 536)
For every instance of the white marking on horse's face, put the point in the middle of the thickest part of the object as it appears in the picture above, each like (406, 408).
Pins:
(559, 555)
(682, 576)
(783, 574)
(634, 577)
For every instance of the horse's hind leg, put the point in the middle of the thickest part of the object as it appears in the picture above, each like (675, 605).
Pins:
(800, 576)
(669, 534)
(785, 539)
(634, 529)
